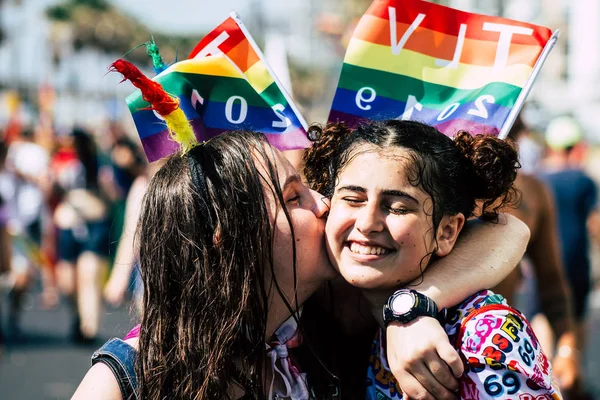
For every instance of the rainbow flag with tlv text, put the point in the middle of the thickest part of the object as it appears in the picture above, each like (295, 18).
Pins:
(416, 60)
(225, 84)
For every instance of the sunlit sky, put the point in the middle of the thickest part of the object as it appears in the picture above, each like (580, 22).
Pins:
(188, 16)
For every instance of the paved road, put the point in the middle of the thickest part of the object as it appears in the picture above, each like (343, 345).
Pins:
(592, 353)
(46, 365)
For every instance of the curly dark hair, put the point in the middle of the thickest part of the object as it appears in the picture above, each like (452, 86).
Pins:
(455, 173)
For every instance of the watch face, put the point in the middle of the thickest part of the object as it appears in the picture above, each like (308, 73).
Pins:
(403, 303)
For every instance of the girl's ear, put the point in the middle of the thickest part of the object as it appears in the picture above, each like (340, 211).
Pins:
(447, 233)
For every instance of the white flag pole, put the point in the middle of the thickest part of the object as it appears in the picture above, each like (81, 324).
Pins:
(289, 100)
(514, 112)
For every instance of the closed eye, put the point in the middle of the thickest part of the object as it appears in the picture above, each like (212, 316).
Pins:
(399, 211)
(294, 200)
(352, 200)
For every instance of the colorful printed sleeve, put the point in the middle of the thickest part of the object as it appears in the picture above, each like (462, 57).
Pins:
(503, 357)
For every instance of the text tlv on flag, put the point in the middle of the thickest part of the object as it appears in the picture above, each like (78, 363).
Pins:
(412, 59)
(225, 84)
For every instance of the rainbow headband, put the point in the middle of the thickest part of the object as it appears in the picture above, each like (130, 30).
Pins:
(162, 103)
(224, 85)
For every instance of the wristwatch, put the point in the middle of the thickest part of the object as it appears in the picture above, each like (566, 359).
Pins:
(406, 304)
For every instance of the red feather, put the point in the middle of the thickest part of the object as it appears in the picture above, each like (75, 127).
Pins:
(152, 92)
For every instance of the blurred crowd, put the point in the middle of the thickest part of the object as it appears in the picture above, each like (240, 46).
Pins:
(554, 282)
(63, 197)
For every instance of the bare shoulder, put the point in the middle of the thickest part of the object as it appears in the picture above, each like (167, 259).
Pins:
(133, 342)
(539, 193)
(531, 185)
(533, 200)
(99, 383)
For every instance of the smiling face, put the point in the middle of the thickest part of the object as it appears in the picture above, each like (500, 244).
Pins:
(379, 231)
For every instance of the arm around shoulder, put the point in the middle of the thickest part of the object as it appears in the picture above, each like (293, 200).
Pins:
(99, 383)
(484, 256)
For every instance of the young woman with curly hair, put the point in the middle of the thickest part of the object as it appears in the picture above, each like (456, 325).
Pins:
(401, 193)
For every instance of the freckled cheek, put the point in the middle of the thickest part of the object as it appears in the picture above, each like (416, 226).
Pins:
(402, 235)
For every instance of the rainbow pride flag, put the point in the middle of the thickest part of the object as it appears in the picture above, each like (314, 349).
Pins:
(412, 59)
(224, 85)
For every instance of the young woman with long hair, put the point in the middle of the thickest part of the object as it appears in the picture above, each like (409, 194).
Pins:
(384, 229)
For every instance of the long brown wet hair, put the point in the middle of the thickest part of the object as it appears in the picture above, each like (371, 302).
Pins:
(206, 245)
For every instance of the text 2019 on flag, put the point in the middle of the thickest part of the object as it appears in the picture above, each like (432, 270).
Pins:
(224, 85)
(412, 59)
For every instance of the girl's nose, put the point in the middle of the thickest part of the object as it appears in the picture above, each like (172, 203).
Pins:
(321, 204)
(368, 219)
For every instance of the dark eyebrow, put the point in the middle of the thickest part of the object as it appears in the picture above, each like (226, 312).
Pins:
(290, 180)
(399, 193)
(389, 192)
(352, 188)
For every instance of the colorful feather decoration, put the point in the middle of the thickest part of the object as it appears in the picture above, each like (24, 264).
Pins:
(164, 104)
(224, 85)
(157, 61)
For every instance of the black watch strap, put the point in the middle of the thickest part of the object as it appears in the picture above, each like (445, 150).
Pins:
(425, 306)
(421, 306)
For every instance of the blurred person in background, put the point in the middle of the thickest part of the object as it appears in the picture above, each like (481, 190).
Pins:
(126, 259)
(531, 147)
(575, 196)
(543, 261)
(127, 160)
(82, 219)
(122, 163)
(23, 187)
(5, 244)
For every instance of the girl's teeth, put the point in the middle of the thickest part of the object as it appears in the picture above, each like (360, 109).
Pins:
(367, 250)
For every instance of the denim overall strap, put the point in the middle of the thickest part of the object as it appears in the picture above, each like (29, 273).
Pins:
(120, 358)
